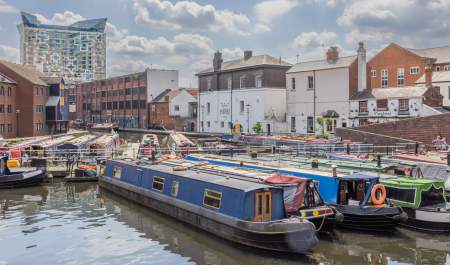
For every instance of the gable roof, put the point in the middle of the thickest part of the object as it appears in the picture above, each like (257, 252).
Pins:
(5, 79)
(441, 76)
(52, 80)
(28, 72)
(160, 97)
(391, 92)
(192, 91)
(441, 54)
(341, 62)
(392, 44)
(257, 60)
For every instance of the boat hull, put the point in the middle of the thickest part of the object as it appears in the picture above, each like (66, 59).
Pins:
(298, 240)
(20, 180)
(427, 221)
(381, 220)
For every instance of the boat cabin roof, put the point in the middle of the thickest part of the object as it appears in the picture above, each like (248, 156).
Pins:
(360, 176)
(233, 183)
(413, 182)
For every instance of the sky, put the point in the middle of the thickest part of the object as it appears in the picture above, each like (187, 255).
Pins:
(183, 35)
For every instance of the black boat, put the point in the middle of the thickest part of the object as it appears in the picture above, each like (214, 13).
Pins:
(19, 177)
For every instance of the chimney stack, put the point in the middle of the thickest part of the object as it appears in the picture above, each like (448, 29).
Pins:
(362, 67)
(332, 54)
(217, 61)
(248, 55)
(428, 74)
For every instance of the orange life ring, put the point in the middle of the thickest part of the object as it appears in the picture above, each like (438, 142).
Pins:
(378, 201)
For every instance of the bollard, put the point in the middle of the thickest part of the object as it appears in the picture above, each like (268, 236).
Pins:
(334, 170)
(378, 160)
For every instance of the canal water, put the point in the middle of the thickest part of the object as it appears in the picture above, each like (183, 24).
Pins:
(78, 223)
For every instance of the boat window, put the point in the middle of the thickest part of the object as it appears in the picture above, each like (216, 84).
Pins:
(432, 196)
(405, 195)
(268, 203)
(260, 204)
(175, 185)
(117, 172)
(212, 198)
(158, 183)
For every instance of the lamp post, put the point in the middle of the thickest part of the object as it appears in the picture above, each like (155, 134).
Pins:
(248, 117)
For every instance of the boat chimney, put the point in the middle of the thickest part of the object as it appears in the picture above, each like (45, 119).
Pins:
(334, 170)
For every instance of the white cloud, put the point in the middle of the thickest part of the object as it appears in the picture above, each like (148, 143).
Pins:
(266, 11)
(189, 15)
(66, 18)
(410, 21)
(9, 53)
(314, 39)
(6, 8)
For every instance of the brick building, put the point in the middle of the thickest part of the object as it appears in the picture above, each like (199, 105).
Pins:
(123, 99)
(38, 107)
(8, 116)
(396, 66)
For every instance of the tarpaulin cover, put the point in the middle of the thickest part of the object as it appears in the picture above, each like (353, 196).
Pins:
(293, 196)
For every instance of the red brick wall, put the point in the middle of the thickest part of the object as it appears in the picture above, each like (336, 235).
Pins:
(423, 129)
(159, 114)
(391, 58)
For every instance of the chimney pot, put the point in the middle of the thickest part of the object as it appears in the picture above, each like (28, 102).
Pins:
(332, 54)
(217, 61)
(247, 55)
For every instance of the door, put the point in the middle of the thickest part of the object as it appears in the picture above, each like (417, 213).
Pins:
(268, 129)
(263, 206)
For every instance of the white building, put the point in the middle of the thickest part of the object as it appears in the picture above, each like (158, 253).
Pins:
(442, 80)
(322, 89)
(184, 103)
(391, 104)
(243, 92)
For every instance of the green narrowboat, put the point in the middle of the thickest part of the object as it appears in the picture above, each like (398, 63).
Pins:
(423, 200)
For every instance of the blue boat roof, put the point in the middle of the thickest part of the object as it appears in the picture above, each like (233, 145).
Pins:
(92, 25)
(360, 176)
(233, 183)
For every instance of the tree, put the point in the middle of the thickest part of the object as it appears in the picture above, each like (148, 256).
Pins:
(320, 122)
(329, 123)
(257, 127)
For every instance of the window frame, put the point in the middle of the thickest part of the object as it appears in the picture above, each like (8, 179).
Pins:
(400, 77)
(373, 73)
(157, 180)
(382, 108)
(219, 198)
(414, 70)
(384, 78)
(400, 104)
(258, 81)
(293, 83)
(242, 81)
(360, 109)
(310, 83)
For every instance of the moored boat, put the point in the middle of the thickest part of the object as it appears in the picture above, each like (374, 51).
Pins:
(149, 145)
(244, 212)
(178, 142)
(105, 145)
(352, 195)
(23, 178)
(423, 200)
(301, 197)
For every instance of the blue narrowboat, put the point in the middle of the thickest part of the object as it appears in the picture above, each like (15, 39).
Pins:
(301, 196)
(244, 212)
(352, 195)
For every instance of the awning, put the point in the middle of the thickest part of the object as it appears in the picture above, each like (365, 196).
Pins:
(52, 101)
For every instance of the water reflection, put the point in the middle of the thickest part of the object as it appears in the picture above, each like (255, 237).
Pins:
(80, 224)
